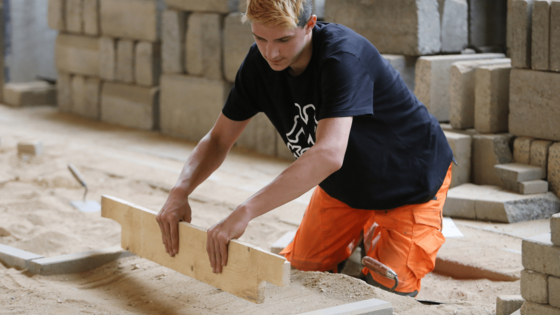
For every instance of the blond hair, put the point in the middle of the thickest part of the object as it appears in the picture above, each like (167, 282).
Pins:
(286, 13)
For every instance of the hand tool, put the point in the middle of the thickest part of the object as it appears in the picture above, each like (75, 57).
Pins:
(84, 205)
(381, 269)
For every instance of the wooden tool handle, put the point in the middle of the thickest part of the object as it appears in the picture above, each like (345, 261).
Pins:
(378, 267)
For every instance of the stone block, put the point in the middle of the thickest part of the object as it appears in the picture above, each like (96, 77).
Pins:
(540, 255)
(522, 149)
(130, 105)
(468, 132)
(366, 307)
(318, 9)
(173, 41)
(554, 291)
(91, 17)
(491, 104)
(553, 175)
(259, 135)
(30, 94)
(108, 58)
(85, 95)
(540, 36)
(242, 7)
(281, 243)
(489, 150)
(521, 16)
(147, 63)
(432, 80)
(56, 14)
(462, 149)
(519, 172)
(531, 308)
(190, 105)
(539, 153)
(204, 45)
(78, 94)
(534, 286)
(131, 19)
(395, 27)
(31, 147)
(454, 26)
(554, 52)
(74, 16)
(527, 187)
(64, 91)
(77, 54)
(217, 6)
(487, 23)
(125, 61)
(533, 104)
(462, 91)
(406, 66)
(238, 38)
(555, 229)
(507, 304)
(13, 257)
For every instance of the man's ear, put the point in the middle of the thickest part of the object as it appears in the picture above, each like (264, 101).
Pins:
(311, 24)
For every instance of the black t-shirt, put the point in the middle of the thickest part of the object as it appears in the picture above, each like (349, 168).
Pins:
(397, 153)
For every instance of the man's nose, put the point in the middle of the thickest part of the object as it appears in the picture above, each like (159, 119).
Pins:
(272, 52)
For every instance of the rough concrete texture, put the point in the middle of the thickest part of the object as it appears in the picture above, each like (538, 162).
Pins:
(462, 148)
(147, 63)
(64, 92)
(191, 105)
(367, 307)
(77, 54)
(31, 147)
(30, 94)
(130, 105)
(108, 58)
(399, 27)
(539, 153)
(540, 36)
(554, 52)
(532, 187)
(540, 255)
(406, 66)
(534, 286)
(492, 203)
(521, 16)
(56, 14)
(531, 308)
(554, 291)
(85, 96)
(522, 149)
(13, 257)
(507, 304)
(555, 229)
(242, 7)
(125, 61)
(432, 80)
(238, 38)
(489, 150)
(462, 91)
(519, 172)
(491, 104)
(74, 16)
(78, 94)
(487, 23)
(216, 6)
(91, 17)
(533, 104)
(132, 19)
(173, 41)
(553, 174)
(259, 135)
(204, 45)
(454, 26)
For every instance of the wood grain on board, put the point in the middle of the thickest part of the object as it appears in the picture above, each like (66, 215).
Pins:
(247, 268)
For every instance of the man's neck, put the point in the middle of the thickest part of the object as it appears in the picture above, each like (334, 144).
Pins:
(304, 58)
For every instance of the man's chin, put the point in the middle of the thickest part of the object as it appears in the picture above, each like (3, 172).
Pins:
(277, 67)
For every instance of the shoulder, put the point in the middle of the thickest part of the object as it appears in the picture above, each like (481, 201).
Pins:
(331, 39)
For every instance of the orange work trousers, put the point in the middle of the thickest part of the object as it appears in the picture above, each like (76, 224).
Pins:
(405, 239)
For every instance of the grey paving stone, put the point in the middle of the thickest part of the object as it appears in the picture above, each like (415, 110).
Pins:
(540, 255)
(519, 172)
(489, 150)
(14, 257)
(534, 286)
(520, 16)
(462, 150)
(540, 36)
(367, 307)
(130, 105)
(531, 308)
(555, 229)
(507, 304)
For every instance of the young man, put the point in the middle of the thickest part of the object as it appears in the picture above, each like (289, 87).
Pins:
(380, 160)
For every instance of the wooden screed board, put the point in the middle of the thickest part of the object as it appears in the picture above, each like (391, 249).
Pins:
(247, 269)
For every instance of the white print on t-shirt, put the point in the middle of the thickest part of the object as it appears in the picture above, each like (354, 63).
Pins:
(299, 140)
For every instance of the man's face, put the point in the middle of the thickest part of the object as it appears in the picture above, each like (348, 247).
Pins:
(281, 47)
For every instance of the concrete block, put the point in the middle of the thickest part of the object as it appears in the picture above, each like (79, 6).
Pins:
(56, 14)
(77, 262)
(395, 27)
(432, 80)
(173, 41)
(243, 6)
(539, 153)
(534, 286)
(540, 255)
(77, 54)
(522, 149)
(533, 105)
(554, 291)
(108, 58)
(454, 26)
(554, 52)
(204, 45)
(462, 149)
(147, 63)
(238, 38)
(91, 17)
(519, 172)
(125, 61)
(78, 94)
(487, 23)
(130, 19)
(259, 135)
(491, 104)
(489, 150)
(86, 94)
(553, 175)
(64, 91)
(521, 15)
(406, 66)
(74, 16)
(30, 94)
(281, 243)
(531, 308)
(319, 9)
(282, 150)
(367, 307)
(555, 229)
(468, 132)
(507, 304)
(13, 257)
(527, 187)
(462, 91)
(31, 147)
(130, 105)
(540, 36)
(217, 6)
(190, 105)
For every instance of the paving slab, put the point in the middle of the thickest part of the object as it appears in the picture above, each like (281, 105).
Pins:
(539, 153)
(13, 257)
(281, 243)
(204, 45)
(125, 61)
(554, 291)
(555, 229)
(173, 41)
(491, 105)
(74, 16)
(367, 307)
(554, 54)
(540, 36)
(147, 63)
(64, 91)
(56, 14)
(108, 58)
(238, 39)
(91, 17)
(129, 19)
(522, 149)
(521, 16)
(217, 6)
(454, 26)
(531, 308)
(77, 54)
(534, 286)
(29, 94)
(508, 304)
(461, 145)
(527, 187)
(540, 255)
(519, 172)
(488, 151)
(553, 175)
(130, 105)
(30, 147)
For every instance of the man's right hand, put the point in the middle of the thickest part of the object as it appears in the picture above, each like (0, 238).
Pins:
(174, 210)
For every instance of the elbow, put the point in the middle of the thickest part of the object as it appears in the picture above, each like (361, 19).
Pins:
(333, 160)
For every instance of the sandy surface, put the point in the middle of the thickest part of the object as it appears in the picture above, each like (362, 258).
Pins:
(141, 167)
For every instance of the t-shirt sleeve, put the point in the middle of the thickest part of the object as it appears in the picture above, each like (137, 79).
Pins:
(346, 87)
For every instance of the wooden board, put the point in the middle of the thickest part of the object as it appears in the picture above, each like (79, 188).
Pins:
(247, 268)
